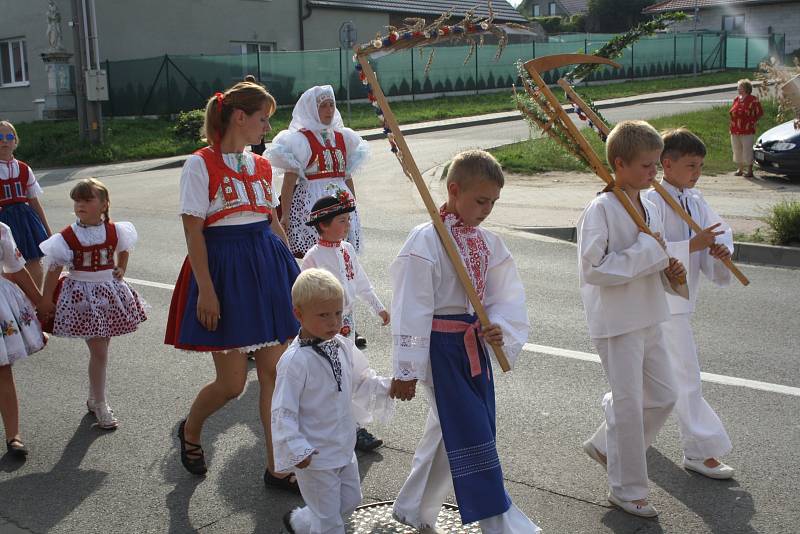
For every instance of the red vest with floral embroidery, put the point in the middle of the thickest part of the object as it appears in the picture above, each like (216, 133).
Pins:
(240, 191)
(15, 190)
(331, 160)
(92, 257)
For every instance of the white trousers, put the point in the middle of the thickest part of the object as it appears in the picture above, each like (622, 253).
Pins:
(702, 433)
(430, 481)
(330, 494)
(642, 396)
(742, 146)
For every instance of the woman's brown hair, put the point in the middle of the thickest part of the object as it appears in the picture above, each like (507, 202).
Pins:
(247, 96)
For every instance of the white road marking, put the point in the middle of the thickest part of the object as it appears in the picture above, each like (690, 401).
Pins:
(706, 377)
(148, 283)
(589, 357)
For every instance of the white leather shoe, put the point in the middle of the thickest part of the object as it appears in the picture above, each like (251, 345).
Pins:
(721, 472)
(592, 452)
(632, 508)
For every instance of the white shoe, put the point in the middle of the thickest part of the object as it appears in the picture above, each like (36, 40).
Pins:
(592, 452)
(648, 510)
(105, 416)
(721, 472)
(422, 529)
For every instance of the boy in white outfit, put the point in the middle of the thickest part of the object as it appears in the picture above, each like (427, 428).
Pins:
(703, 435)
(319, 377)
(439, 342)
(623, 277)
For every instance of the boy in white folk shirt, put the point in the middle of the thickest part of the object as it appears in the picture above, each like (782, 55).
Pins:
(703, 435)
(624, 275)
(439, 342)
(320, 376)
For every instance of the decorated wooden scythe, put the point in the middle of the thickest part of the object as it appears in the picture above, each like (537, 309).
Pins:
(573, 97)
(563, 130)
(419, 34)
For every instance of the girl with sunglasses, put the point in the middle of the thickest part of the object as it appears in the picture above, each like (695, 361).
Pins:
(20, 208)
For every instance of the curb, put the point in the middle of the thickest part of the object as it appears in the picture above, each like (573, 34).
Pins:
(751, 253)
(510, 116)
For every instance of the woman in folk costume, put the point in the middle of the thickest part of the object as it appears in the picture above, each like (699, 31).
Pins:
(315, 151)
(233, 295)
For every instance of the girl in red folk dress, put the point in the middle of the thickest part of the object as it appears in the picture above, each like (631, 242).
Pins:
(315, 152)
(92, 301)
(233, 295)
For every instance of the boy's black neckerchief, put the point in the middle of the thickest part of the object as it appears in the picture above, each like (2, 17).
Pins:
(330, 351)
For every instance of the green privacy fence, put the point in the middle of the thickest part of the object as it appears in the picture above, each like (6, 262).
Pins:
(169, 84)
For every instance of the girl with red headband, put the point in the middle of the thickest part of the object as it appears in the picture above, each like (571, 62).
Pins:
(233, 295)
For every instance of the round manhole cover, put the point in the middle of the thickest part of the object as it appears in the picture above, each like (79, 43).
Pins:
(376, 518)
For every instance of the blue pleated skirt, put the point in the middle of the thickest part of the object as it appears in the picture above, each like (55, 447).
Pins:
(253, 272)
(26, 227)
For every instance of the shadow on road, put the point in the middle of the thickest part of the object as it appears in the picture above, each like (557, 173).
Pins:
(722, 504)
(236, 469)
(41, 501)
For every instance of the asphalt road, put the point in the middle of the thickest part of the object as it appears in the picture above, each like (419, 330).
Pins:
(79, 479)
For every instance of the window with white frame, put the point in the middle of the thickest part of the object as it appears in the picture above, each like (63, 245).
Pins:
(537, 11)
(252, 48)
(13, 63)
(733, 23)
(551, 9)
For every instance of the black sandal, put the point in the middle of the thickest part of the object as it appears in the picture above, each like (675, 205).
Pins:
(288, 483)
(196, 463)
(16, 448)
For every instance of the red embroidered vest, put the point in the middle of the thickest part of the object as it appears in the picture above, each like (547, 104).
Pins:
(331, 160)
(15, 190)
(92, 258)
(240, 191)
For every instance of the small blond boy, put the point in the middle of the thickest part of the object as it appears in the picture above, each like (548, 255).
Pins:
(624, 275)
(319, 377)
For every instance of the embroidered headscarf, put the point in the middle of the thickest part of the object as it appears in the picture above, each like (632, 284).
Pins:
(306, 112)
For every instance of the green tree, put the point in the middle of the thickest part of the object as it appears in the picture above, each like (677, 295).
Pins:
(611, 16)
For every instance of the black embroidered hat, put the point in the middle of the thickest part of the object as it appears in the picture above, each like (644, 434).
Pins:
(328, 207)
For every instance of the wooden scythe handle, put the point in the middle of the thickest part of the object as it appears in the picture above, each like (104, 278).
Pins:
(677, 208)
(413, 171)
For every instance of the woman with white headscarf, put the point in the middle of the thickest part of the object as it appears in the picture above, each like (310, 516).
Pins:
(316, 151)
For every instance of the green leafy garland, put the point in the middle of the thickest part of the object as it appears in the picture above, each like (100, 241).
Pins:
(616, 46)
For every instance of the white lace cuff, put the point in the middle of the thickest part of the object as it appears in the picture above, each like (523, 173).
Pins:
(193, 213)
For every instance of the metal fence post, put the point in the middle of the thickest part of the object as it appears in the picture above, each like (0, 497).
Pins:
(169, 87)
(476, 70)
(413, 91)
(586, 46)
(702, 57)
(533, 51)
(675, 54)
(110, 92)
(746, 50)
(633, 66)
(258, 65)
(341, 79)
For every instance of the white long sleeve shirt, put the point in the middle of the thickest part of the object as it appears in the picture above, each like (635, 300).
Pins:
(425, 284)
(620, 268)
(340, 259)
(311, 413)
(677, 234)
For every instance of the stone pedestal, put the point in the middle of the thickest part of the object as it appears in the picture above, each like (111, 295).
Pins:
(59, 103)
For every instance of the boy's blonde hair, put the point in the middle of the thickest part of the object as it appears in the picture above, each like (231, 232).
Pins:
(628, 139)
(474, 165)
(745, 84)
(13, 130)
(313, 285)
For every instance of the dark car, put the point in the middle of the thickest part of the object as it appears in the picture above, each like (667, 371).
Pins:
(778, 150)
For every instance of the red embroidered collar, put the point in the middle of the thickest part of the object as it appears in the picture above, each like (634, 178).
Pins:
(471, 247)
(329, 244)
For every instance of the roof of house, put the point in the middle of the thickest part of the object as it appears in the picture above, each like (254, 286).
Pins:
(689, 5)
(574, 7)
(503, 11)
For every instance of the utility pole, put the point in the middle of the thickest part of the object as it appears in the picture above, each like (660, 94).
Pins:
(90, 80)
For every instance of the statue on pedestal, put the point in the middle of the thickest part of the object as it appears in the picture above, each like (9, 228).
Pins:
(54, 36)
